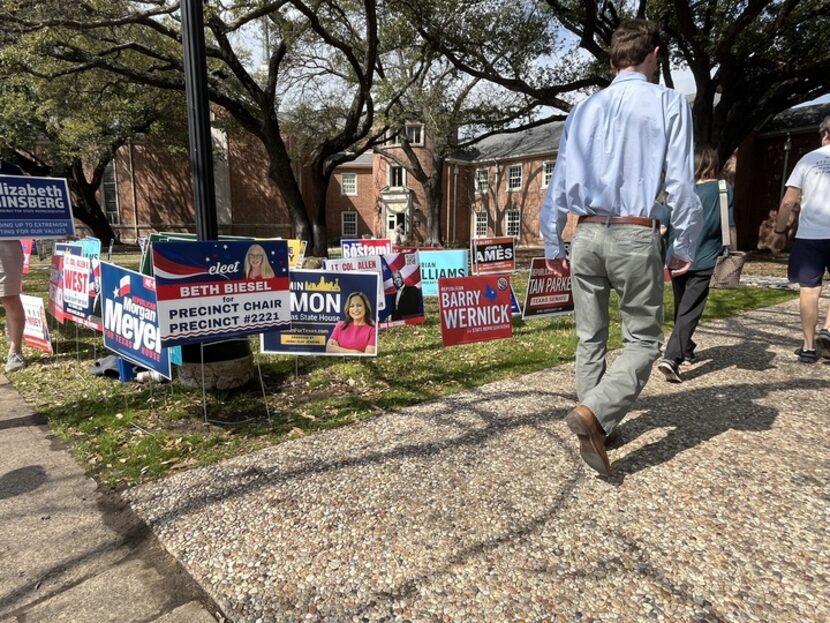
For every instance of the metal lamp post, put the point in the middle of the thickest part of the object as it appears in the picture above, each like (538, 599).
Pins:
(226, 364)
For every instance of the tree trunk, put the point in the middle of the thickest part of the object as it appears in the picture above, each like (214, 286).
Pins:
(281, 173)
(319, 186)
(86, 207)
(435, 194)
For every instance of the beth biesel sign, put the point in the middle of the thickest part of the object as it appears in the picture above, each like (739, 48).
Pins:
(365, 246)
(493, 255)
(215, 290)
(548, 294)
(442, 263)
(320, 302)
(35, 207)
(130, 325)
(475, 309)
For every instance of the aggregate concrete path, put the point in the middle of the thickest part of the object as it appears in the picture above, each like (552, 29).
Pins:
(71, 552)
(477, 508)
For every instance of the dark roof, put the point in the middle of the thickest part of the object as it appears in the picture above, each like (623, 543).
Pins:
(797, 118)
(543, 139)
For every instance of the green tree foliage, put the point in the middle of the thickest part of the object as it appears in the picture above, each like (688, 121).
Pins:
(321, 52)
(751, 59)
(70, 124)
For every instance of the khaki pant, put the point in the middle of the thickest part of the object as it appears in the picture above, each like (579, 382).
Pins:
(629, 260)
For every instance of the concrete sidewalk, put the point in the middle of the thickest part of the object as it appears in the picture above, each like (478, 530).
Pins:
(72, 552)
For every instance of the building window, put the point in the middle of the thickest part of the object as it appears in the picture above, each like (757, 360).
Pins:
(547, 173)
(348, 224)
(481, 224)
(109, 187)
(396, 176)
(414, 134)
(514, 177)
(348, 184)
(512, 222)
(482, 180)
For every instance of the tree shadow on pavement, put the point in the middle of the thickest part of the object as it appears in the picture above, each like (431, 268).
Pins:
(697, 416)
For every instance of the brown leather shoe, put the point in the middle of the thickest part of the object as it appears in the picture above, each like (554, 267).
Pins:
(613, 439)
(585, 425)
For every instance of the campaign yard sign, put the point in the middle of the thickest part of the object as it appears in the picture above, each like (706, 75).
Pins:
(371, 263)
(80, 284)
(296, 252)
(365, 246)
(146, 267)
(220, 289)
(318, 304)
(131, 327)
(548, 294)
(474, 309)
(443, 263)
(402, 290)
(493, 255)
(55, 300)
(27, 253)
(35, 207)
(36, 329)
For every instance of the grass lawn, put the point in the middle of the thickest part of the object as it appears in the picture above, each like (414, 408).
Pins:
(127, 433)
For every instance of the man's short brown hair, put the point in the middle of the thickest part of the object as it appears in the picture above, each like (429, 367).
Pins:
(824, 127)
(633, 40)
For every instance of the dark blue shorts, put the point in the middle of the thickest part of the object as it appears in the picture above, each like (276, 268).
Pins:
(808, 261)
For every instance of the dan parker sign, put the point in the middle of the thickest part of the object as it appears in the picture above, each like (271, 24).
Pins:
(474, 309)
(216, 290)
(548, 294)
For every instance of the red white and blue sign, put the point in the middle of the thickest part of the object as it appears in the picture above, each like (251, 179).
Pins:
(35, 207)
(475, 309)
(216, 290)
(130, 326)
(80, 283)
(365, 246)
(402, 290)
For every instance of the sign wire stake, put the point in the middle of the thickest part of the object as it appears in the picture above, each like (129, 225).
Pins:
(262, 385)
(204, 392)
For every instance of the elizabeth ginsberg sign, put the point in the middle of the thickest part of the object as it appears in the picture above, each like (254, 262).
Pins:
(131, 326)
(216, 290)
(35, 207)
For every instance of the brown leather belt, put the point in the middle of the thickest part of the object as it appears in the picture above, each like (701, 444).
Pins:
(621, 220)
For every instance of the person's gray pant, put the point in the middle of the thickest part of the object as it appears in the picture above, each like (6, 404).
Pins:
(629, 260)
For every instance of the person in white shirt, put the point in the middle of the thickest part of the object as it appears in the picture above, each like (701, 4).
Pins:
(808, 197)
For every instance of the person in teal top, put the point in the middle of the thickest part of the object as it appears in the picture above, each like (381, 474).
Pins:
(692, 288)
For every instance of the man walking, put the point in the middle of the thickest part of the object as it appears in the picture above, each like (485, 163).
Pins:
(808, 196)
(619, 148)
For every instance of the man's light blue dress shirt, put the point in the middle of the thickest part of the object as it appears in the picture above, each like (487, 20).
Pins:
(619, 149)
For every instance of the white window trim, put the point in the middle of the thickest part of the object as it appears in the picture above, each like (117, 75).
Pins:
(343, 184)
(389, 175)
(479, 190)
(414, 125)
(115, 192)
(476, 221)
(507, 222)
(509, 169)
(343, 224)
(545, 181)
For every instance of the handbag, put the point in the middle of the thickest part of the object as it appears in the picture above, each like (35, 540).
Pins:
(728, 266)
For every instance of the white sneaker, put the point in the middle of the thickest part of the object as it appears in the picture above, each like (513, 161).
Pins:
(15, 362)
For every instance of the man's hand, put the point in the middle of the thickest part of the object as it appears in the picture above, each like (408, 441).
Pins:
(778, 242)
(678, 267)
(558, 267)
